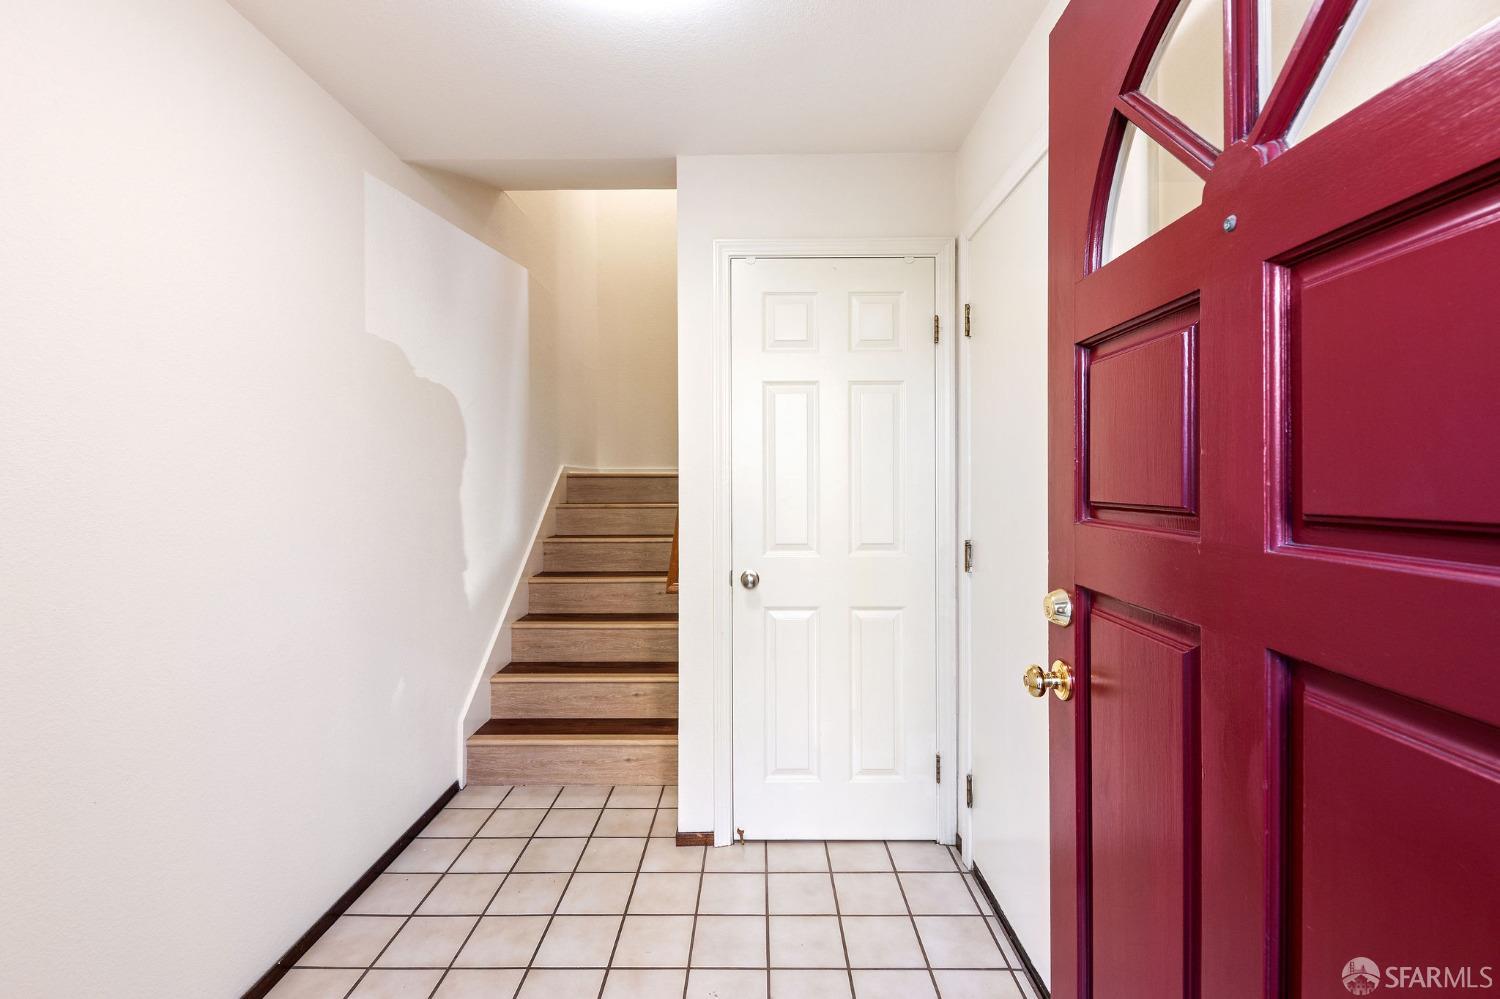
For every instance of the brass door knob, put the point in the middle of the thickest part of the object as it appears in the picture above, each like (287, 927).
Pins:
(1058, 679)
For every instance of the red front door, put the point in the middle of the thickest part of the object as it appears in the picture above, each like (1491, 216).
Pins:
(1275, 498)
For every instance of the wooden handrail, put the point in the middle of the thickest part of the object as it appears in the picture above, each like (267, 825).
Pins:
(672, 565)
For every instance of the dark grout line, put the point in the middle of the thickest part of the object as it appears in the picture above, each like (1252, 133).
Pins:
(644, 967)
(493, 895)
(838, 913)
(635, 872)
(687, 973)
(913, 919)
(765, 881)
(634, 880)
(425, 895)
(566, 884)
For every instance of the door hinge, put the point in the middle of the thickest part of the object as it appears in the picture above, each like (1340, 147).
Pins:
(968, 556)
(939, 768)
(967, 331)
(969, 790)
(936, 325)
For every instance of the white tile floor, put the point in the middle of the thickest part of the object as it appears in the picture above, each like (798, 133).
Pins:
(581, 892)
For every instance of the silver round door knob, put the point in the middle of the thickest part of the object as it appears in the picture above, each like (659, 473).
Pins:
(749, 579)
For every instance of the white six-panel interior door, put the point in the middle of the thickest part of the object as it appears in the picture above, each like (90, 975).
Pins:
(834, 445)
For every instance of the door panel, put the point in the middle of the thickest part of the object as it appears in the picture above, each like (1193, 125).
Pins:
(834, 443)
(1004, 364)
(1383, 784)
(1143, 717)
(1274, 496)
(1140, 422)
(1384, 336)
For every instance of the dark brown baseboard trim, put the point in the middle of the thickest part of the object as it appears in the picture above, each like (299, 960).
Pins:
(695, 839)
(958, 842)
(267, 982)
(1032, 975)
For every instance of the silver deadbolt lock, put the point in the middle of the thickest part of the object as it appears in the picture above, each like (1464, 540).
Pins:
(1057, 607)
(749, 579)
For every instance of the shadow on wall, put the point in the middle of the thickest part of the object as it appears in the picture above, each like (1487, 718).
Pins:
(456, 312)
(409, 537)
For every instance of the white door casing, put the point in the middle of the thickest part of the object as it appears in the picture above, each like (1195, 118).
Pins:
(834, 445)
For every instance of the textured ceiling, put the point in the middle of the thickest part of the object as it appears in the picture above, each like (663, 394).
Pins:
(605, 93)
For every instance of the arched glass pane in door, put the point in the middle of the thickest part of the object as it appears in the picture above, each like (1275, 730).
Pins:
(1318, 61)
(1382, 42)
(1152, 189)
(1187, 72)
(1280, 23)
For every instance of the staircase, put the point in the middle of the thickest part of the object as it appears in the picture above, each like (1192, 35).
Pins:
(590, 694)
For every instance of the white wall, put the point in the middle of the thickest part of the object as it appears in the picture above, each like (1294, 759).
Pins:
(259, 515)
(736, 197)
(636, 366)
(1000, 178)
(1012, 124)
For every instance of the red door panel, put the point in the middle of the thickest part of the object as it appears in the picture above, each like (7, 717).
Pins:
(1141, 436)
(1275, 497)
(1143, 711)
(1392, 847)
(1387, 397)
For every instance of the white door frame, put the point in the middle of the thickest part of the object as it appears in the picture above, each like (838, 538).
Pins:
(941, 250)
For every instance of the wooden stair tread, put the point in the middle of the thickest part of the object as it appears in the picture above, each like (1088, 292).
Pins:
(598, 617)
(666, 669)
(500, 731)
(602, 505)
(592, 685)
(596, 621)
(622, 475)
(599, 576)
(583, 674)
(579, 726)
